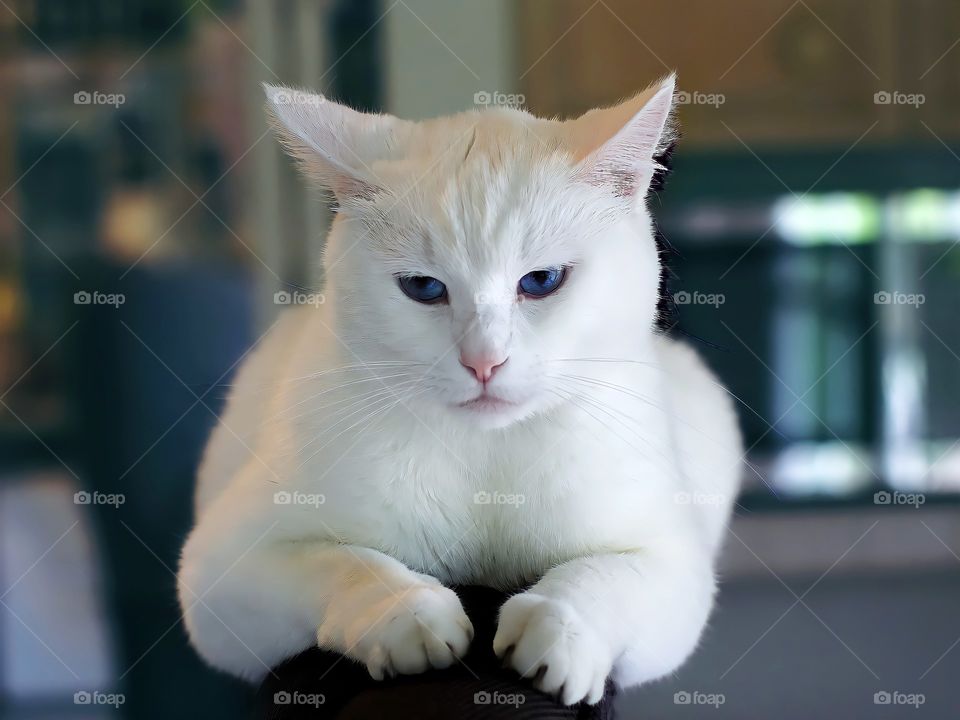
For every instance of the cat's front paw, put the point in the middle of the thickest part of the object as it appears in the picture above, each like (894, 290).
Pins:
(408, 632)
(547, 640)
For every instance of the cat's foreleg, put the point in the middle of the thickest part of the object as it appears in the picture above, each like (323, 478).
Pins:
(247, 608)
(637, 615)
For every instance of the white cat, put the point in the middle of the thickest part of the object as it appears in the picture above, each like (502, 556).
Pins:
(481, 399)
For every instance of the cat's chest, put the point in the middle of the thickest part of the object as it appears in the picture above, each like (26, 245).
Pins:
(495, 509)
(499, 535)
(504, 518)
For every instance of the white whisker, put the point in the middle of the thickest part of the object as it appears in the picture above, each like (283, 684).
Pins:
(352, 400)
(609, 411)
(367, 406)
(326, 391)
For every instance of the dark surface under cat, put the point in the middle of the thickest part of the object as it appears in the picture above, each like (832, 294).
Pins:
(319, 684)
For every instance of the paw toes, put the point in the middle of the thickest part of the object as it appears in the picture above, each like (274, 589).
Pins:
(596, 691)
(378, 664)
(552, 678)
(505, 654)
(410, 658)
(427, 629)
(547, 641)
(439, 653)
(459, 640)
(574, 690)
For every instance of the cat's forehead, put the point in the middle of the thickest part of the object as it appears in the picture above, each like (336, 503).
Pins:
(497, 135)
(486, 187)
(493, 153)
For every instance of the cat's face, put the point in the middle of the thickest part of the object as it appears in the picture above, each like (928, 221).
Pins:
(492, 253)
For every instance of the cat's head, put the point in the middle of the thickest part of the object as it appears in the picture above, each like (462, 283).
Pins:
(495, 254)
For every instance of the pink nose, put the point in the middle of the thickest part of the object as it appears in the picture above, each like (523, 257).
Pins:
(482, 367)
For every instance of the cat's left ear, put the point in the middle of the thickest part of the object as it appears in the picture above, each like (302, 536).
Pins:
(335, 146)
(616, 147)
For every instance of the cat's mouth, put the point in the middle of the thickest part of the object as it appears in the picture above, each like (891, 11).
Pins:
(485, 402)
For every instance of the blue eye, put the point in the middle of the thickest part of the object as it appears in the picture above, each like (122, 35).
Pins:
(541, 283)
(422, 288)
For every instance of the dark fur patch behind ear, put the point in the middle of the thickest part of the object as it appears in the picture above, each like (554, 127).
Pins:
(664, 165)
(666, 318)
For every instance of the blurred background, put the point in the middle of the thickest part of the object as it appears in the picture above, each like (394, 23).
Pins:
(147, 220)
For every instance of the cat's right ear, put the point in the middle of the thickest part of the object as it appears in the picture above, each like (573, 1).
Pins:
(333, 144)
(618, 146)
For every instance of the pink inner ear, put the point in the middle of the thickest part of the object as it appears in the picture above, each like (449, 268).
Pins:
(622, 181)
(623, 165)
(347, 186)
(617, 145)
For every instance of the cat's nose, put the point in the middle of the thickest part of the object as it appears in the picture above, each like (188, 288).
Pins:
(482, 367)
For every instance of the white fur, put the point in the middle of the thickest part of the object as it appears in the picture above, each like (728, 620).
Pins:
(611, 476)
